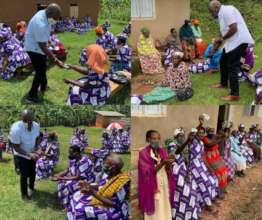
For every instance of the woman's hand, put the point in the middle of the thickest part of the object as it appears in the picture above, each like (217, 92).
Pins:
(59, 63)
(66, 80)
(55, 178)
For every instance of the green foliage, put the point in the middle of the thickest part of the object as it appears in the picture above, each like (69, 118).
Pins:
(250, 9)
(50, 115)
(116, 9)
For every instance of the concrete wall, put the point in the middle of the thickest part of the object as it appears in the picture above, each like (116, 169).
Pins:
(169, 14)
(240, 114)
(24, 10)
(177, 116)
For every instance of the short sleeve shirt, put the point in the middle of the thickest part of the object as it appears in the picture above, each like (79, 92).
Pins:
(19, 134)
(227, 16)
(38, 31)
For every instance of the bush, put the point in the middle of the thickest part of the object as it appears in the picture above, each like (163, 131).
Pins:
(115, 9)
(49, 116)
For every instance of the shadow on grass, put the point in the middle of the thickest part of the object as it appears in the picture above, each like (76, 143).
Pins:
(40, 95)
(44, 199)
(5, 160)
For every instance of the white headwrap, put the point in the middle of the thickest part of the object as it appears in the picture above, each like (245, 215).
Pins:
(178, 54)
(179, 131)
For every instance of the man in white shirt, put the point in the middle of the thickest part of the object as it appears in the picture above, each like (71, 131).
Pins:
(36, 40)
(236, 38)
(23, 137)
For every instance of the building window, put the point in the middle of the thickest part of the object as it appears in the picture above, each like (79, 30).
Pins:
(74, 10)
(259, 112)
(149, 110)
(142, 9)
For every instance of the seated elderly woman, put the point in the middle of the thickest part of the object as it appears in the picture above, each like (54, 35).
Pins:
(94, 88)
(108, 200)
(239, 159)
(49, 157)
(20, 32)
(80, 139)
(122, 60)
(13, 58)
(150, 58)
(188, 41)
(177, 75)
(200, 44)
(172, 45)
(214, 53)
(110, 40)
(100, 36)
(79, 168)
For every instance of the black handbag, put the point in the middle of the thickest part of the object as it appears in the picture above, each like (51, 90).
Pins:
(184, 94)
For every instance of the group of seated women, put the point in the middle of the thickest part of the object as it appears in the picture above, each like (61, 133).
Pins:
(185, 53)
(74, 25)
(191, 173)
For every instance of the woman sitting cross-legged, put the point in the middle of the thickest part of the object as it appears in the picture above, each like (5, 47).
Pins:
(213, 53)
(80, 167)
(150, 58)
(49, 157)
(94, 88)
(177, 76)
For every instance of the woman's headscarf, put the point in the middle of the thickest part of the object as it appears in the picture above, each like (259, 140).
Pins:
(21, 26)
(99, 30)
(96, 58)
(195, 22)
(145, 30)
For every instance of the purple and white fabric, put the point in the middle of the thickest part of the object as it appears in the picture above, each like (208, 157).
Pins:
(83, 169)
(81, 210)
(207, 183)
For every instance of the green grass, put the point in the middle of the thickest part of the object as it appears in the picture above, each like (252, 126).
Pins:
(45, 205)
(13, 91)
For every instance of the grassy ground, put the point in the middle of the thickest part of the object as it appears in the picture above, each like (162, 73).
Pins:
(13, 91)
(44, 205)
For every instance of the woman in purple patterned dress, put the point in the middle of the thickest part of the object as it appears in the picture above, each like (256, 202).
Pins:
(12, 56)
(206, 181)
(226, 154)
(93, 89)
(106, 141)
(100, 34)
(108, 200)
(110, 40)
(125, 140)
(115, 139)
(80, 167)
(185, 203)
(244, 149)
(80, 139)
(99, 156)
(122, 61)
(49, 158)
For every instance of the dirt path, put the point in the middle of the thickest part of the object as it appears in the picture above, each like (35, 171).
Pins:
(244, 198)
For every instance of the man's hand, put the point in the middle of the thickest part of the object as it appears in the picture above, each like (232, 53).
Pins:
(33, 156)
